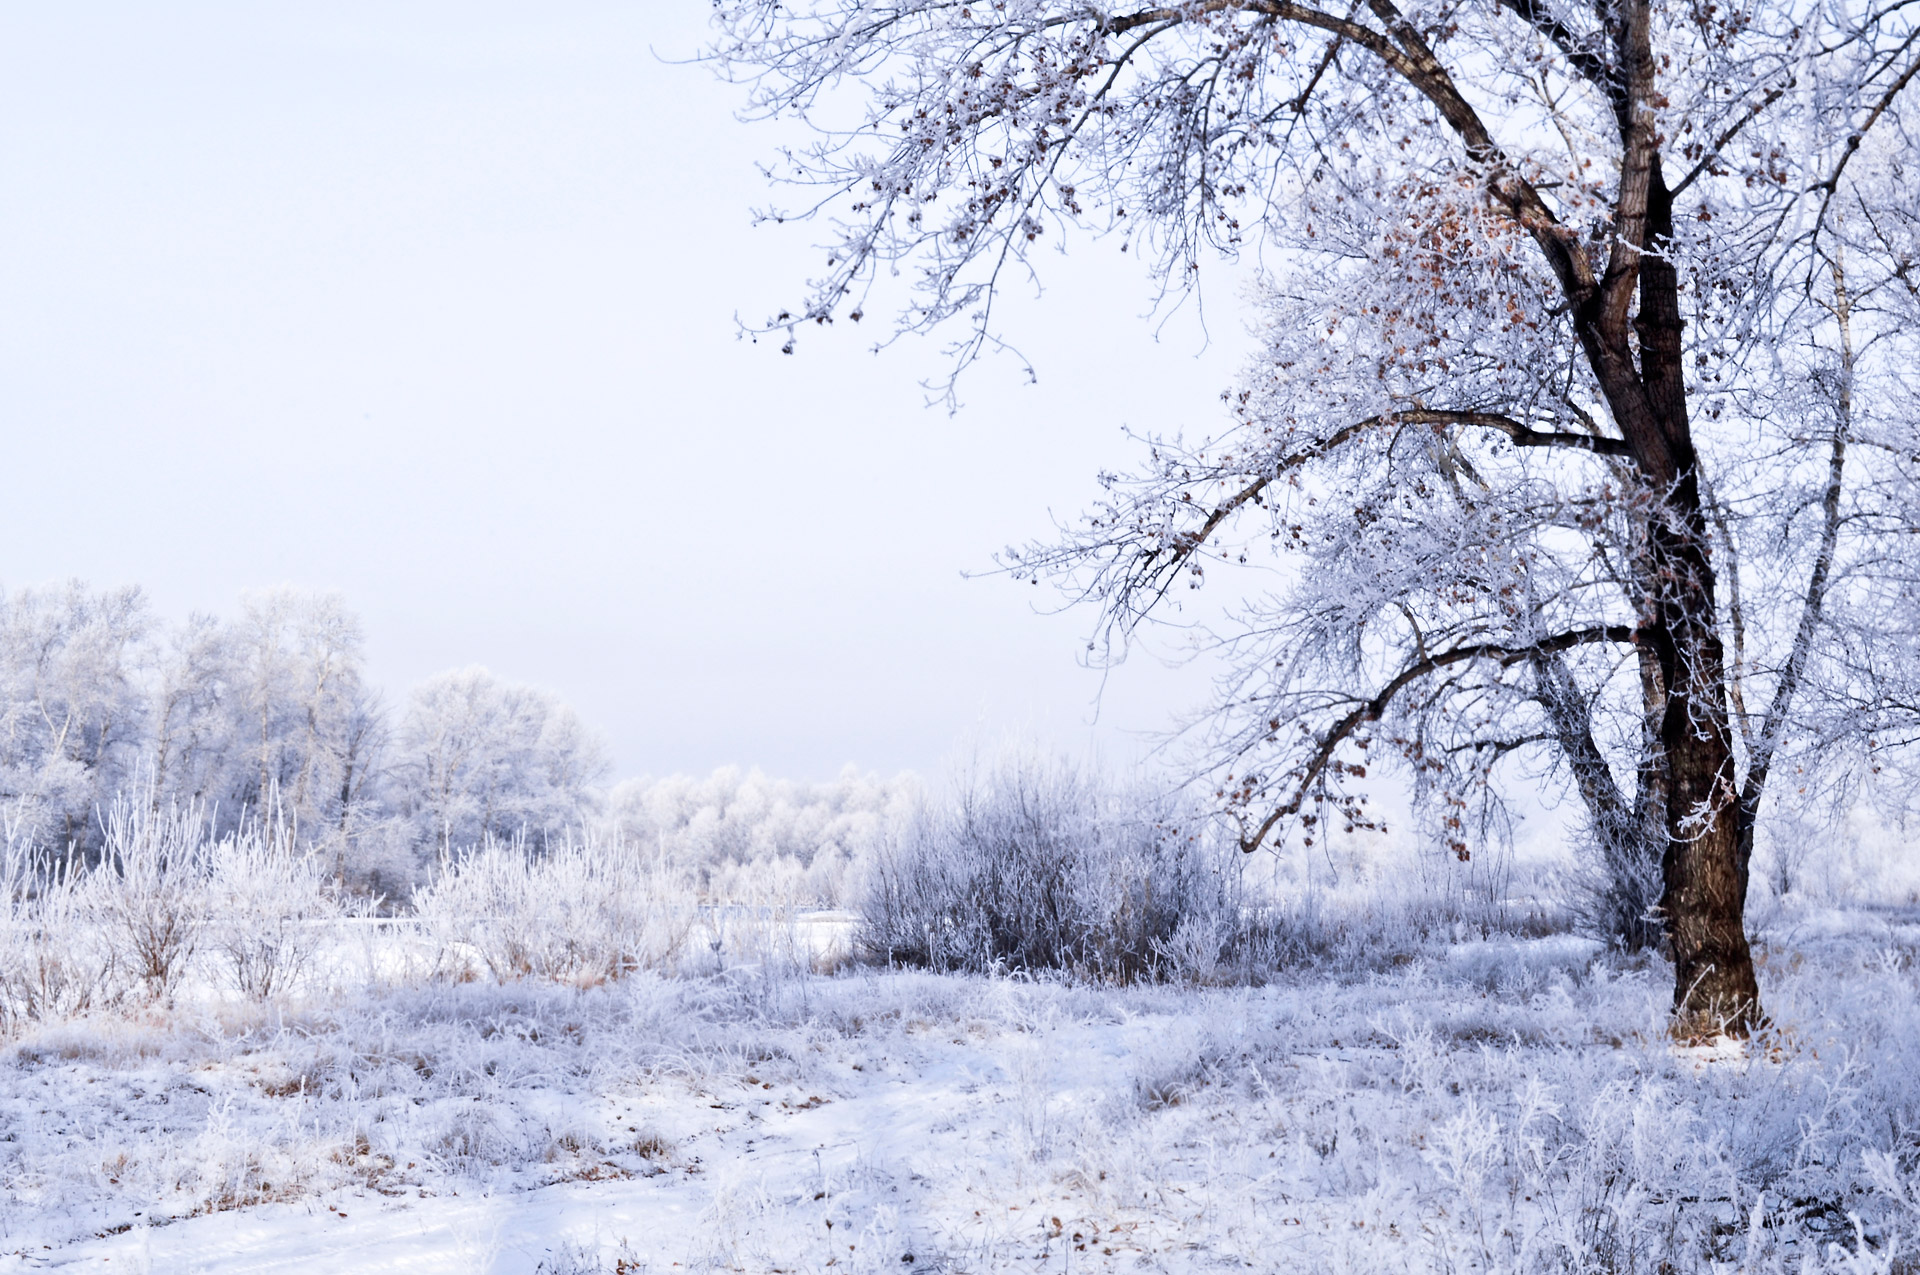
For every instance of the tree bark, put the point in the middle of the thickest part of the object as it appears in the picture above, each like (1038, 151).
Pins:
(1714, 983)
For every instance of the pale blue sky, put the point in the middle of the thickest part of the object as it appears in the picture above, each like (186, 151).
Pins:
(433, 304)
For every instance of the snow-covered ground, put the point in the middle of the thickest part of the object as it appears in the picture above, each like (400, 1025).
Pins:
(1509, 1104)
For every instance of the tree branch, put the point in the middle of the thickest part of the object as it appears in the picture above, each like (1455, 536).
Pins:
(1373, 709)
(1578, 51)
(1404, 50)
(1720, 143)
(1873, 117)
(1517, 433)
(1773, 726)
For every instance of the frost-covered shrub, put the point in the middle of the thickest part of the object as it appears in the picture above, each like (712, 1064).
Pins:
(1033, 865)
(54, 961)
(149, 892)
(1614, 888)
(271, 903)
(165, 897)
(582, 912)
(473, 1140)
(1036, 865)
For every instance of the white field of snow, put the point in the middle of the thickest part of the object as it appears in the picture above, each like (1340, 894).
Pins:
(1502, 1105)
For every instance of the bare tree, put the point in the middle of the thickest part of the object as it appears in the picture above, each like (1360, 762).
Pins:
(1560, 413)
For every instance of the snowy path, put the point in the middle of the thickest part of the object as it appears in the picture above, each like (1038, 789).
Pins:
(757, 1172)
(440, 1236)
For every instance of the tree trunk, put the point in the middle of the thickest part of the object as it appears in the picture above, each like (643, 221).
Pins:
(1703, 902)
(1705, 899)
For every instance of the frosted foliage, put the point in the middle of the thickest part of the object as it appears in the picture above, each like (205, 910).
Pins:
(478, 758)
(745, 837)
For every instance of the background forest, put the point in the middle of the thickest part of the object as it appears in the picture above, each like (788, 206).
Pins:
(267, 717)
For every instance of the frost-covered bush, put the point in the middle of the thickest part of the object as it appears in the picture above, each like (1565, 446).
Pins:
(54, 962)
(1037, 865)
(166, 901)
(1029, 865)
(1614, 888)
(149, 892)
(168, 890)
(583, 912)
(271, 903)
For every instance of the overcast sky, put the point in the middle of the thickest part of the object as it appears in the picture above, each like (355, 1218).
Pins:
(433, 304)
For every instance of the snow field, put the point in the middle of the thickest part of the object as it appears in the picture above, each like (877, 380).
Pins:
(1509, 1105)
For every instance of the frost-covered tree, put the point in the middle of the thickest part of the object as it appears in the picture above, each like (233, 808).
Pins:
(73, 710)
(190, 752)
(269, 716)
(303, 724)
(357, 799)
(1581, 420)
(478, 758)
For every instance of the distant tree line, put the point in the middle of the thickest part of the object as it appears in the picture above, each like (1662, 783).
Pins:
(268, 715)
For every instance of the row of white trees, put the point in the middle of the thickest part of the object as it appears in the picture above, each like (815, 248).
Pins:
(745, 837)
(269, 712)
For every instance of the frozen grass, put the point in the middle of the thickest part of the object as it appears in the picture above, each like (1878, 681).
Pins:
(1499, 1105)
